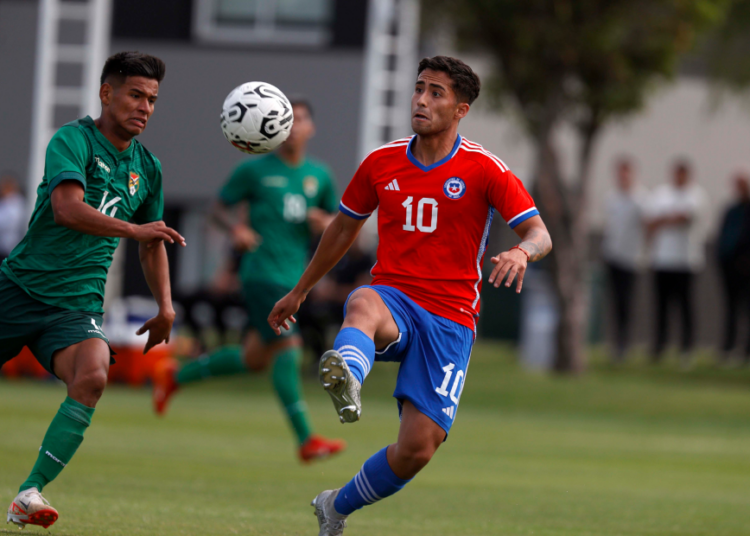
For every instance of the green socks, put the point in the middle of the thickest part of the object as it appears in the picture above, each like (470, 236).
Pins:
(288, 386)
(224, 361)
(63, 437)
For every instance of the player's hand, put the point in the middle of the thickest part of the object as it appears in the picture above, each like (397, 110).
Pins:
(244, 238)
(159, 329)
(318, 219)
(154, 232)
(284, 310)
(511, 263)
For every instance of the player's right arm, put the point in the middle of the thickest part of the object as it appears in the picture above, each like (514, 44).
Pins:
(359, 201)
(68, 154)
(71, 211)
(337, 239)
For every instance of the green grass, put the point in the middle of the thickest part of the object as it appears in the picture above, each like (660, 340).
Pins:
(621, 451)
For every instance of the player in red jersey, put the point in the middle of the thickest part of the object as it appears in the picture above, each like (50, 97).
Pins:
(437, 193)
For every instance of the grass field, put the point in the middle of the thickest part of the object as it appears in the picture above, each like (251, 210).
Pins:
(629, 451)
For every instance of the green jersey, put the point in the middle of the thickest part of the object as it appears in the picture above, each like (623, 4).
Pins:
(62, 267)
(279, 196)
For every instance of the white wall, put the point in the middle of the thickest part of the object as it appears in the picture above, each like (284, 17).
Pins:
(679, 119)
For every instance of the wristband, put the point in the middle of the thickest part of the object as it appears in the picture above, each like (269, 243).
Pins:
(519, 248)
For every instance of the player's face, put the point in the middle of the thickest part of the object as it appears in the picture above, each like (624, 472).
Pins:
(624, 177)
(131, 103)
(434, 105)
(303, 127)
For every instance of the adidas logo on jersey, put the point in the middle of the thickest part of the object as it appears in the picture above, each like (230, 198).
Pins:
(450, 411)
(393, 186)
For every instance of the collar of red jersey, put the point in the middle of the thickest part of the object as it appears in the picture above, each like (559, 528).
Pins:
(421, 166)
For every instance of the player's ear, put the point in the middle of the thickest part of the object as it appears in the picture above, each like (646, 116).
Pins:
(462, 109)
(105, 93)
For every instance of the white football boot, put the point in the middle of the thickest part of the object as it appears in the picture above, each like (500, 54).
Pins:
(30, 508)
(342, 386)
(331, 523)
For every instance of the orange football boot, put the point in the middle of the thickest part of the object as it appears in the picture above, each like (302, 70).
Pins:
(319, 448)
(165, 384)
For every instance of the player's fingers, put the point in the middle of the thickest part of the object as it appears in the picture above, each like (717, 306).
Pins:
(501, 274)
(496, 270)
(519, 283)
(176, 236)
(511, 275)
(291, 317)
(495, 260)
(144, 328)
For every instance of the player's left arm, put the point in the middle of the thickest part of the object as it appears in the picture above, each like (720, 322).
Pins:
(155, 265)
(535, 245)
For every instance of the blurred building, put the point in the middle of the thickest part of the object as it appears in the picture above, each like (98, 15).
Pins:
(354, 60)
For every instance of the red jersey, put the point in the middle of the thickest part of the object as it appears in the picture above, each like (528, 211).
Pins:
(433, 221)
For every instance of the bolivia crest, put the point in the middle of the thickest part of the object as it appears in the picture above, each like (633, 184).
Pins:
(454, 188)
(134, 182)
(310, 186)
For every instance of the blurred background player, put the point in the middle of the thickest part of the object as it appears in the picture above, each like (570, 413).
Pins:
(289, 198)
(97, 179)
(12, 214)
(677, 253)
(734, 260)
(436, 194)
(622, 248)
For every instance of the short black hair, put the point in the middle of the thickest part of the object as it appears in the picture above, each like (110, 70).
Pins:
(466, 83)
(124, 64)
(301, 100)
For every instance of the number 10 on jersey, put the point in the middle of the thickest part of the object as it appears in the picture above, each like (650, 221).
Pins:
(409, 225)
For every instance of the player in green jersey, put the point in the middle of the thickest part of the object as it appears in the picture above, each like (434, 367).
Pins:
(290, 197)
(99, 185)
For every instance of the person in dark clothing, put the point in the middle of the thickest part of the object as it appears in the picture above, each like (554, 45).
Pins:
(734, 261)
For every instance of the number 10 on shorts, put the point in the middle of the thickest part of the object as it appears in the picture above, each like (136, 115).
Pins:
(455, 392)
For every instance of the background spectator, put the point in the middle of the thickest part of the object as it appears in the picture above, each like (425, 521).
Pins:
(622, 247)
(12, 214)
(734, 260)
(677, 252)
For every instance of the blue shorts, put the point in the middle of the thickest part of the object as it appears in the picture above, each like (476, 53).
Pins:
(434, 355)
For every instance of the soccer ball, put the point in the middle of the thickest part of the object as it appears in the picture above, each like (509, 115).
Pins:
(257, 117)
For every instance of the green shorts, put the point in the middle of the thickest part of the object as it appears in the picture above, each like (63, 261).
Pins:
(44, 328)
(260, 297)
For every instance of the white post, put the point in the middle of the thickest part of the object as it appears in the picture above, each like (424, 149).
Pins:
(41, 112)
(98, 39)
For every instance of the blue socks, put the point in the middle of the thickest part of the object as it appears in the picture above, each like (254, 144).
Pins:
(375, 481)
(357, 349)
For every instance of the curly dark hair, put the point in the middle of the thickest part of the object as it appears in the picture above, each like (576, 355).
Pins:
(123, 64)
(466, 84)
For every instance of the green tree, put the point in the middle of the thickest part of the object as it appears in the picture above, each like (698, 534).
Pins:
(726, 53)
(576, 64)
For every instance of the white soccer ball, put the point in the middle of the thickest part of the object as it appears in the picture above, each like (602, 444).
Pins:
(257, 117)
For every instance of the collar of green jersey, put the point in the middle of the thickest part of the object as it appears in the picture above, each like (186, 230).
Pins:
(111, 149)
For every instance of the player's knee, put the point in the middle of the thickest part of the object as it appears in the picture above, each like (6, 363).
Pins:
(256, 365)
(91, 384)
(358, 304)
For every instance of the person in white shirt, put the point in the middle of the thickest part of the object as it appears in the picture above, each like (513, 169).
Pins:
(12, 214)
(677, 240)
(622, 247)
